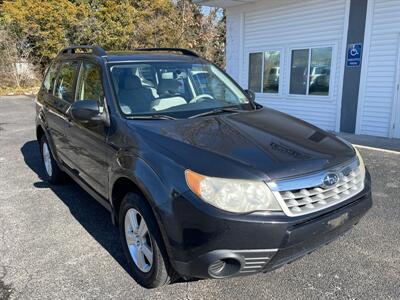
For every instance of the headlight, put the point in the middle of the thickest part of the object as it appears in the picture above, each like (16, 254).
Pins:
(361, 163)
(233, 195)
(359, 157)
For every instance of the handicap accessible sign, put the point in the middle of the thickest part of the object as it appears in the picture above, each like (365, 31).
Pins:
(354, 55)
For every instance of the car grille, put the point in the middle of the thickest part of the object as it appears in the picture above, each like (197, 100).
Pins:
(313, 195)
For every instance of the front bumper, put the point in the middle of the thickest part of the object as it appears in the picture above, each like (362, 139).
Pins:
(204, 242)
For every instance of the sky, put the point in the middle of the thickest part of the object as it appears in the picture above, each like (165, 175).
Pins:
(206, 10)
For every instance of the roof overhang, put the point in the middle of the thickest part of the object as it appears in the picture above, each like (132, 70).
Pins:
(223, 3)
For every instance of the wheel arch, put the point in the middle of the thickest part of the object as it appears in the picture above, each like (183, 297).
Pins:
(124, 184)
(121, 186)
(39, 132)
(143, 182)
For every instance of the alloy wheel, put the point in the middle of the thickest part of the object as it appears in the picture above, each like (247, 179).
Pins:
(47, 159)
(138, 240)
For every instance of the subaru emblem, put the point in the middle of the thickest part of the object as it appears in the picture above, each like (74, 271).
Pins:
(331, 179)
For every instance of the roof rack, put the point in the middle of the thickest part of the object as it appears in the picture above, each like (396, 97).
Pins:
(96, 50)
(181, 50)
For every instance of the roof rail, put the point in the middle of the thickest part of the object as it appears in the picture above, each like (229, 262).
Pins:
(181, 50)
(96, 50)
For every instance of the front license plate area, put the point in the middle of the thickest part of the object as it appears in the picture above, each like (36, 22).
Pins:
(336, 222)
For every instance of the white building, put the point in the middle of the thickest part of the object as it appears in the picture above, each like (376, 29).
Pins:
(334, 63)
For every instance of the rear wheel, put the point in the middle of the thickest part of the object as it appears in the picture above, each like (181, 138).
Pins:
(142, 243)
(52, 171)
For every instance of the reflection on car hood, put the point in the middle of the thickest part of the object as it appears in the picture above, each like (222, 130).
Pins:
(263, 141)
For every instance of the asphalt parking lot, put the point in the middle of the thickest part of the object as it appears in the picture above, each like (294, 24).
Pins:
(58, 243)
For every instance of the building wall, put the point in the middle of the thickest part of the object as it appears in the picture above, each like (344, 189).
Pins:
(283, 25)
(377, 109)
(233, 44)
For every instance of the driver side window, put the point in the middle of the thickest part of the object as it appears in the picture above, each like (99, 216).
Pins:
(89, 86)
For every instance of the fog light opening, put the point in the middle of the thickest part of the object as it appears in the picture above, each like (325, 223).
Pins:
(224, 268)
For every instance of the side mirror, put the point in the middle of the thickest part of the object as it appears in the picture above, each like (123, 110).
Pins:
(250, 94)
(85, 111)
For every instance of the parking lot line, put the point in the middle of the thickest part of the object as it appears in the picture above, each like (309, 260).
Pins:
(377, 149)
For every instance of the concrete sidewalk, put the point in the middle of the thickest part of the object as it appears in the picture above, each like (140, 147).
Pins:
(372, 141)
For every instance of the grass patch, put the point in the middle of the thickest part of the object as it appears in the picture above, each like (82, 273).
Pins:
(9, 91)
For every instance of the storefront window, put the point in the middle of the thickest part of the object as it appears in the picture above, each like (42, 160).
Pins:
(320, 71)
(311, 71)
(299, 72)
(264, 72)
(271, 72)
(255, 68)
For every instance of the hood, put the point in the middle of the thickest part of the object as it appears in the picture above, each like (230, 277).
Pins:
(264, 142)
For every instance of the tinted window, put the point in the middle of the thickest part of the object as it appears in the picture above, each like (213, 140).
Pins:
(320, 69)
(64, 87)
(272, 61)
(181, 89)
(255, 69)
(89, 86)
(179, 74)
(299, 72)
(51, 74)
(264, 71)
(317, 64)
(201, 79)
(147, 74)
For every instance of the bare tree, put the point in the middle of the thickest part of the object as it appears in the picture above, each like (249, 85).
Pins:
(15, 69)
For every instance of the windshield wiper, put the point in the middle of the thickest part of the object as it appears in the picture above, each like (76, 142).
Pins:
(216, 111)
(151, 117)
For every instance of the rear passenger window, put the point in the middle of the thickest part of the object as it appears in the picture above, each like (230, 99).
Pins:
(89, 85)
(51, 74)
(64, 87)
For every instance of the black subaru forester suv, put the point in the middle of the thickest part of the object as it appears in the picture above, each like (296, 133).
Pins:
(202, 181)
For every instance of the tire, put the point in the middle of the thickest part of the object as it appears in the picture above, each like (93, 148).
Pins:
(149, 273)
(53, 173)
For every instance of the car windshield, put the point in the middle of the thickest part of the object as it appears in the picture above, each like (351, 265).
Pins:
(176, 89)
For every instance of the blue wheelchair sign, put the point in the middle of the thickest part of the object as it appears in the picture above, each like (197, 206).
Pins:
(354, 55)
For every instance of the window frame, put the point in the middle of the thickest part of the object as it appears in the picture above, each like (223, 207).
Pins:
(105, 79)
(281, 66)
(60, 64)
(330, 95)
(56, 64)
(108, 69)
(93, 62)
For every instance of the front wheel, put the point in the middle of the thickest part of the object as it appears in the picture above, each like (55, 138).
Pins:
(142, 243)
(53, 173)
